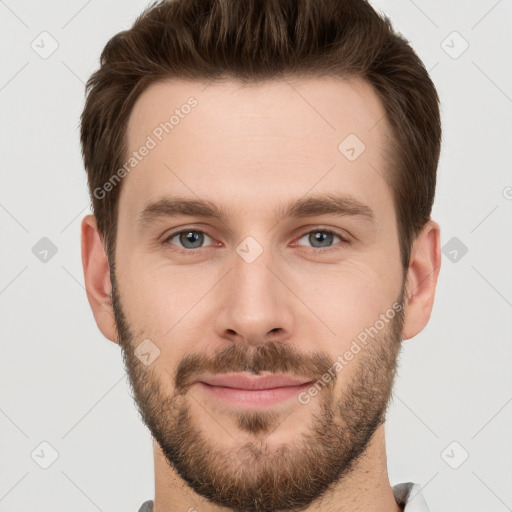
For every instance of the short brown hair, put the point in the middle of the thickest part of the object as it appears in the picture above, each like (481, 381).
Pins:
(255, 40)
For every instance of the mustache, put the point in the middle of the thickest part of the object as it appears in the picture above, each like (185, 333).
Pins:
(273, 357)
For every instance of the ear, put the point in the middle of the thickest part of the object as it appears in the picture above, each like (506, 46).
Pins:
(422, 274)
(97, 277)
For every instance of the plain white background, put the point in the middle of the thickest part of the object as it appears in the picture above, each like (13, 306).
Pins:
(449, 425)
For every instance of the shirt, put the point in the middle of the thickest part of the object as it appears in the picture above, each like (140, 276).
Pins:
(407, 495)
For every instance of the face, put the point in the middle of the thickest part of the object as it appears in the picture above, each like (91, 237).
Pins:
(254, 238)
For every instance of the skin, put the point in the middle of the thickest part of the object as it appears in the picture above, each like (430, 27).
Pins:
(253, 149)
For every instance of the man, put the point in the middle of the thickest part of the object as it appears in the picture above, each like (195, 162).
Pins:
(262, 176)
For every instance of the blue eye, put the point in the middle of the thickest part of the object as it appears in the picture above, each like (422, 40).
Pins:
(189, 239)
(321, 238)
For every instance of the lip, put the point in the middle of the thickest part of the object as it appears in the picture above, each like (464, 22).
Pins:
(241, 381)
(256, 391)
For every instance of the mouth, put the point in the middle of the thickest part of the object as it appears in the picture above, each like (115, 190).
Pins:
(243, 390)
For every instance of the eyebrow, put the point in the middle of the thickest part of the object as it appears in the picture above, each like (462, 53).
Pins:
(316, 205)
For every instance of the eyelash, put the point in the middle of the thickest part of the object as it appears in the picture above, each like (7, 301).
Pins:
(315, 250)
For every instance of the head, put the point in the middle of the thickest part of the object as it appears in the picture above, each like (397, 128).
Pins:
(262, 177)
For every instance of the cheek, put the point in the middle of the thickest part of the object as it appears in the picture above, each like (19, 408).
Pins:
(162, 301)
(354, 293)
(349, 298)
(356, 305)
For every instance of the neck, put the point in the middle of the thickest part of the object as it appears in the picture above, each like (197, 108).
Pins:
(365, 488)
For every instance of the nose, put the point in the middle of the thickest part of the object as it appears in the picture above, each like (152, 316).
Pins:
(256, 305)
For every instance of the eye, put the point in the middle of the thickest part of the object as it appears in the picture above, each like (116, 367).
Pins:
(322, 238)
(188, 239)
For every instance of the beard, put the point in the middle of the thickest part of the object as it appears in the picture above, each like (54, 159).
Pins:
(252, 475)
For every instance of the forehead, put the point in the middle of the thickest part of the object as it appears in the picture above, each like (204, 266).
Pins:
(287, 135)
(323, 105)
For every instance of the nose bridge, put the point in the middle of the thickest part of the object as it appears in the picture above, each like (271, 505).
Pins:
(252, 277)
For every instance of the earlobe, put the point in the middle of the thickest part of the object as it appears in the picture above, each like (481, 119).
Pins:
(422, 275)
(97, 277)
